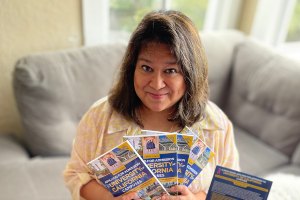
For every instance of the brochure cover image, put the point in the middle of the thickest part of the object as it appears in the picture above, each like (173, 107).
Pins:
(231, 184)
(159, 151)
(200, 155)
(122, 170)
(184, 143)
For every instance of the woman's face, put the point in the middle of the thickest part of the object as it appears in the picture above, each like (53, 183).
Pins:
(158, 81)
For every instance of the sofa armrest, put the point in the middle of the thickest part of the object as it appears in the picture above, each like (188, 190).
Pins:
(11, 150)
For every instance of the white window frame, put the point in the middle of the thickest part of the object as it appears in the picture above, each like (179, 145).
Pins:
(95, 19)
(271, 21)
(222, 14)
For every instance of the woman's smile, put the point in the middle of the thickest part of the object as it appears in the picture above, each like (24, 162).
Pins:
(157, 96)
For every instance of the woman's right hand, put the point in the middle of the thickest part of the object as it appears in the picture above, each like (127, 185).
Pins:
(94, 191)
(129, 196)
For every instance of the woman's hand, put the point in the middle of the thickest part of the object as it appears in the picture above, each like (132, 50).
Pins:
(129, 196)
(185, 194)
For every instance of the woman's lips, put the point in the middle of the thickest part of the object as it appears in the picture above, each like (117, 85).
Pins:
(157, 96)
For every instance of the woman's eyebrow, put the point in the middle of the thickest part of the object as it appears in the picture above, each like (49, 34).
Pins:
(144, 59)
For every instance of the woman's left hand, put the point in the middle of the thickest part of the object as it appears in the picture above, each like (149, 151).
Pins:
(185, 194)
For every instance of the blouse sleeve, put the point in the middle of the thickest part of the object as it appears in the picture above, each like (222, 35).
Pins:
(230, 155)
(77, 173)
(219, 136)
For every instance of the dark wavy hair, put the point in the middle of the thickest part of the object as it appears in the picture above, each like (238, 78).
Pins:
(177, 31)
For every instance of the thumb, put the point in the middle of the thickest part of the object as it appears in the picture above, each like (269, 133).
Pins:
(180, 189)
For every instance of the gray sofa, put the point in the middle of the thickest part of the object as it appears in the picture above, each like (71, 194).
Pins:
(255, 86)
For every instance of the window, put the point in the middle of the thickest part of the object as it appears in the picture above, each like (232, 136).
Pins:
(124, 15)
(114, 20)
(294, 26)
(279, 26)
(194, 9)
(291, 44)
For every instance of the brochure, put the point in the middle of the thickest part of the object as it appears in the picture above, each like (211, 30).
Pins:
(122, 170)
(188, 131)
(200, 154)
(159, 151)
(184, 143)
(231, 184)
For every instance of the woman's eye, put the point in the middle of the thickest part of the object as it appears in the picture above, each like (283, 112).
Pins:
(146, 68)
(171, 71)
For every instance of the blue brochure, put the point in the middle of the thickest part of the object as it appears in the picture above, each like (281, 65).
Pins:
(200, 154)
(122, 170)
(184, 143)
(231, 184)
(159, 151)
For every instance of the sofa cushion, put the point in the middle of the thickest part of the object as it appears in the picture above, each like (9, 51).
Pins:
(287, 169)
(220, 48)
(11, 150)
(53, 90)
(38, 179)
(285, 186)
(264, 98)
(296, 156)
(256, 157)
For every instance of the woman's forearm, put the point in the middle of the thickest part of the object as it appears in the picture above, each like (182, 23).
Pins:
(94, 191)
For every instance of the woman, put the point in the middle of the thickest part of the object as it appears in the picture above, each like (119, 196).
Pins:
(162, 86)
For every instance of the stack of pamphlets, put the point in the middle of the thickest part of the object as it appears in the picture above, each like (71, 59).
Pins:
(122, 170)
(152, 162)
(189, 155)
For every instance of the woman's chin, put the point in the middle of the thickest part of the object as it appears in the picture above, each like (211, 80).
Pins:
(158, 109)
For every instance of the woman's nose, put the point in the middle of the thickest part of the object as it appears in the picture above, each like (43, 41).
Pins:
(157, 81)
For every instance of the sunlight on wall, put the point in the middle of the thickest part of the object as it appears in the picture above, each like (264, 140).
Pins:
(28, 27)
